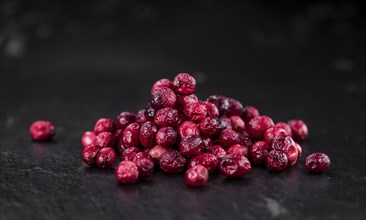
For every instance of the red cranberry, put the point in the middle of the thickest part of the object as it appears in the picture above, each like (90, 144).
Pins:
(237, 123)
(196, 176)
(89, 154)
(259, 151)
(147, 134)
(185, 100)
(142, 155)
(285, 127)
(161, 98)
(235, 166)
(141, 117)
(212, 110)
(144, 164)
(106, 139)
(166, 137)
(288, 146)
(210, 127)
(221, 102)
(184, 84)
(273, 133)
(207, 142)
(299, 149)
(129, 153)
(238, 149)
(131, 135)
(118, 133)
(88, 138)
(217, 151)
(172, 162)
(106, 157)
(191, 146)
(299, 129)
(161, 83)
(235, 107)
(156, 153)
(317, 162)
(195, 112)
(124, 119)
(227, 138)
(104, 125)
(249, 112)
(276, 161)
(207, 160)
(167, 117)
(225, 122)
(188, 128)
(258, 125)
(127, 172)
(42, 130)
(244, 139)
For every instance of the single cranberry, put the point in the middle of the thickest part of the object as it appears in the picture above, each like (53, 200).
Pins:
(191, 146)
(196, 176)
(104, 125)
(244, 139)
(126, 172)
(238, 149)
(274, 132)
(144, 164)
(317, 162)
(156, 153)
(237, 123)
(172, 162)
(299, 149)
(225, 122)
(89, 154)
(249, 112)
(147, 134)
(185, 100)
(42, 130)
(299, 129)
(167, 117)
(124, 119)
(235, 107)
(106, 157)
(227, 138)
(195, 112)
(188, 128)
(161, 83)
(276, 161)
(285, 127)
(234, 166)
(212, 110)
(106, 139)
(217, 151)
(131, 135)
(207, 160)
(288, 146)
(141, 117)
(210, 127)
(258, 125)
(161, 98)
(88, 138)
(166, 137)
(129, 153)
(184, 84)
(258, 152)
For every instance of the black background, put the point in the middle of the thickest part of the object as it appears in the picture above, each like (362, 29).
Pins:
(74, 62)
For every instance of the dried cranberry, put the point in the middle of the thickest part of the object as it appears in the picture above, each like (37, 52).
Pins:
(195, 112)
(207, 160)
(156, 153)
(141, 117)
(126, 172)
(161, 83)
(285, 127)
(273, 133)
(207, 142)
(276, 161)
(88, 138)
(299, 129)
(238, 149)
(227, 138)
(144, 164)
(104, 125)
(118, 133)
(106, 157)
(142, 155)
(106, 139)
(166, 137)
(288, 146)
(185, 100)
(161, 98)
(258, 125)
(196, 176)
(147, 134)
(191, 146)
(258, 152)
(184, 84)
(237, 123)
(317, 162)
(249, 112)
(225, 122)
(235, 107)
(217, 151)
(210, 127)
(172, 162)
(89, 154)
(234, 166)
(42, 130)
(244, 139)
(167, 117)
(124, 119)
(212, 110)
(188, 128)
(131, 135)
(129, 153)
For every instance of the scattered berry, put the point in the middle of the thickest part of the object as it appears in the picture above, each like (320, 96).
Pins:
(317, 162)
(42, 130)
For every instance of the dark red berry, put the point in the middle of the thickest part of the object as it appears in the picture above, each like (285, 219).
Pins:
(150, 112)
(191, 146)
(166, 137)
(222, 103)
(106, 139)
(167, 117)
(161, 98)
(258, 125)
(285, 127)
(207, 142)
(288, 146)
(118, 133)
(141, 117)
(104, 125)
(126, 172)
(142, 155)
(172, 162)
(129, 153)
(276, 161)
(88, 138)
(317, 162)
(161, 83)
(42, 130)
(212, 110)
(235, 107)
(195, 112)
(274, 133)
(237, 123)
(238, 149)
(185, 100)
(210, 127)
(227, 138)
(188, 128)
(207, 160)
(156, 153)
(89, 154)
(259, 151)
(299, 129)
(131, 135)
(124, 119)
(217, 151)
(196, 176)
(234, 166)
(249, 112)
(184, 84)
(147, 134)
(144, 164)
(106, 157)
(225, 122)
(244, 139)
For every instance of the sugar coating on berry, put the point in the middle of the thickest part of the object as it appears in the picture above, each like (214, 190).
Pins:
(42, 130)
(126, 172)
(184, 84)
(196, 176)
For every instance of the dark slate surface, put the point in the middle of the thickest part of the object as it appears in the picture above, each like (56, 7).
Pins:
(74, 63)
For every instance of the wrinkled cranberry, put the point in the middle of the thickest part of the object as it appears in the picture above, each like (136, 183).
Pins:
(227, 138)
(42, 130)
(234, 166)
(141, 117)
(188, 128)
(131, 135)
(118, 133)
(166, 137)
(222, 103)
(273, 133)
(191, 146)
(161, 98)
(156, 153)
(172, 162)
(106, 139)
(161, 83)
(244, 139)
(317, 162)
(217, 151)
(89, 154)
(147, 134)
(126, 172)
(144, 164)
(288, 146)
(184, 84)
(212, 110)
(258, 125)
(299, 149)
(258, 152)
(196, 176)
(249, 112)
(299, 129)
(195, 112)
(210, 127)
(104, 125)
(106, 157)
(185, 100)
(237, 123)
(225, 122)
(238, 149)
(207, 160)
(129, 153)
(88, 138)
(276, 161)
(285, 127)
(124, 119)
(167, 117)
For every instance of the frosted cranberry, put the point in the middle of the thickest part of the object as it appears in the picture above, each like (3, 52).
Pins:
(42, 130)
(166, 137)
(172, 162)
(167, 117)
(276, 161)
(156, 153)
(141, 117)
(207, 160)
(106, 157)
(225, 122)
(142, 155)
(124, 119)
(161, 83)
(235, 107)
(89, 154)
(238, 149)
(244, 139)
(196, 176)
(106, 139)
(129, 153)
(273, 133)
(147, 134)
(285, 127)
(144, 164)
(191, 146)
(161, 98)
(104, 125)
(210, 127)
(188, 128)
(185, 100)
(126, 172)
(227, 138)
(88, 138)
(249, 112)
(288, 146)
(131, 135)
(184, 84)
(299, 149)
(212, 110)
(317, 162)
(234, 166)
(195, 112)
(299, 129)
(258, 125)
(217, 151)
(258, 152)
(237, 123)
